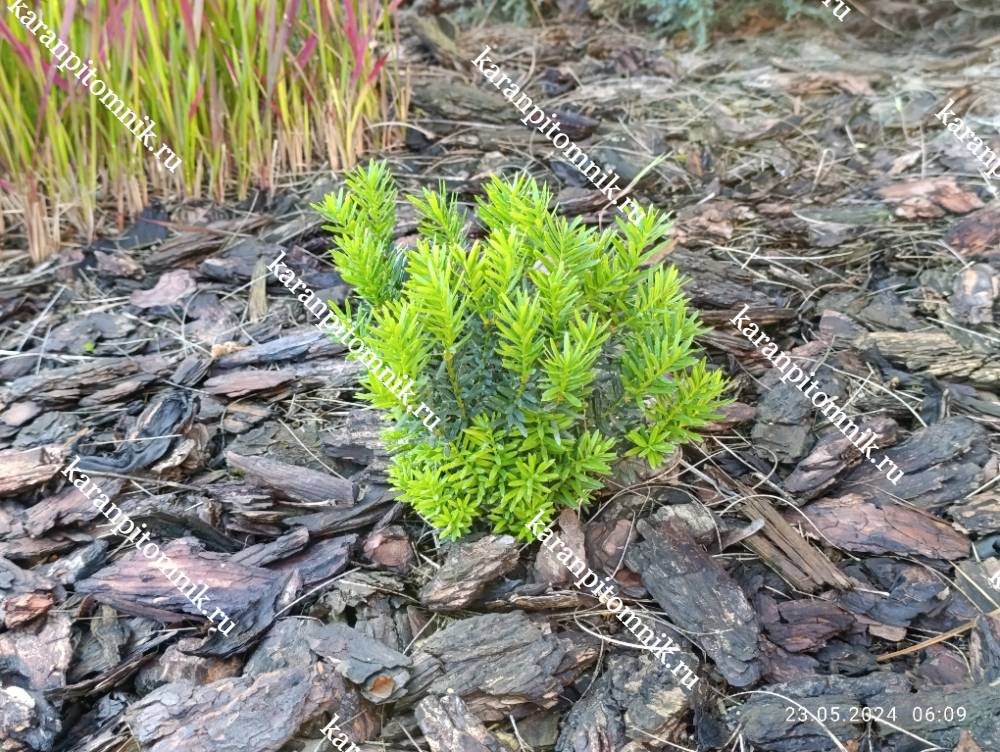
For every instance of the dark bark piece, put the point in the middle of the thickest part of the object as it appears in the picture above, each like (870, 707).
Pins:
(148, 229)
(67, 507)
(359, 439)
(978, 514)
(633, 699)
(941, 666)
(79, 564)
(28, 549)
(377, 669)
(80, 333)
(38, 654)
(321, 561)
(204, 240)
(497, 663)
(101, 646)
(576, 125)
(151, 438)
(824, 466)
(191, 370)
(782, 666)
(723, 289)
(782, 424)
(888, 311)
(653, 709)
(120, 391)
(699, 597)
(172, 515)
(253, 618)
(835, 325)
(248, 595)
(924, 714)
(984, 648)
(767, 727)
(468, 569)
(294, 482)
(28, 723)
(941, 463)
(95, 730)
(307, 341)
(61, 385)
(236, 263)
(872, 526)
(936, 353)
(582, 651)
(365, 511)
(594, 723)
(211, 320)
(176, 665)
(318, 274)
(448, 726)
(284, 647)
(20, 470)
(239, 714)
(912, 591)
(50, 428)
(146, 640)
(264, 553)
(805, 625)
(763, 717)
(359, 588)
(384, 618)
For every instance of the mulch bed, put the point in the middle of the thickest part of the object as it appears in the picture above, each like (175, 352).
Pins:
(809, 179)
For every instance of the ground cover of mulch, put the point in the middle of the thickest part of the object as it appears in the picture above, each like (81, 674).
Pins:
(825, 607)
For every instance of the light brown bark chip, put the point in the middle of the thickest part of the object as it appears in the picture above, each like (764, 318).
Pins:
(854, 524)
(570, 535)
(21, 469)
(239, 383)
(170, 288)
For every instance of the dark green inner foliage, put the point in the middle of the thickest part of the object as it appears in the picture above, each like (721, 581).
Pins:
(548, 349)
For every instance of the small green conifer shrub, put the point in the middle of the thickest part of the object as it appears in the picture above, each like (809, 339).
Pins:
(547, 348)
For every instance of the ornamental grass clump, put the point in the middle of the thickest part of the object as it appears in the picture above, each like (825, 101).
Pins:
(549, 349)
(245, 92)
